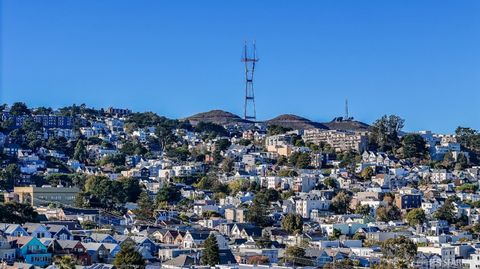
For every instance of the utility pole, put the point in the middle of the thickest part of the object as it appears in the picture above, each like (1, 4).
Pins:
(249, 57)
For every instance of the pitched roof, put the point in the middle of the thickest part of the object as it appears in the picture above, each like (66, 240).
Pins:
(181, 261)
(54, 229)
(21, 240)
(31, 227)
(99, 237)
(68, 244)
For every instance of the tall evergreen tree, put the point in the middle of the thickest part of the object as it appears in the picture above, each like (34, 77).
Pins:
(80, 153)
(146, 206)
(210, 254)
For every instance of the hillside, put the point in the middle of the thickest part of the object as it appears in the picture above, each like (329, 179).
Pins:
(295, 122)
(216, 116)
(348, 125)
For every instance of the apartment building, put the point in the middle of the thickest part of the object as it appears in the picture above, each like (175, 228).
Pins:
(280, 144)
(337, 139)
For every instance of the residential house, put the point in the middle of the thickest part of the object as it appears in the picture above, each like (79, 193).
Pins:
(31, 250)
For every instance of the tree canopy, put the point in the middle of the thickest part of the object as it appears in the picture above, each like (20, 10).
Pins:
(384, 133)
(128, 258)
(293, 223)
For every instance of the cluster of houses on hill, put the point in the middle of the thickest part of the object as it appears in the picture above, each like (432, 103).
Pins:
(252, 157)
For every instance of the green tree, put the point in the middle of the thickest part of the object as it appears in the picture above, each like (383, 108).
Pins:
(294, 254)
(222, 144)
(330, 182)
(416, 216)
(413, 146)
(469, 139)
(287, 173)
(211, 129)
(341, 202)
(132, 188)
(446, 212)
(102, 192)
(336, 233)
(348, 159)
(19, 109)
(128, 257)
(8, 176)
(65, 262)
(13, 212)
(80, 154)
(276, 130)
(258, 211)
(388, 213)
(57, 143)
(399, 250)
(367, 173)
(210, 254)
(165, 135)
(227, 165)
(384, 133)
(146, 207)
(300, 160)
(363, 210)
(293, 223)
(168, 194)
(462, 162)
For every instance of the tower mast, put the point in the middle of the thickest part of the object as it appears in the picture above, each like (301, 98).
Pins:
(249, 58)
(346, 110)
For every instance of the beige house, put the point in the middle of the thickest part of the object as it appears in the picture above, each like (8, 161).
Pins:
(45, 195)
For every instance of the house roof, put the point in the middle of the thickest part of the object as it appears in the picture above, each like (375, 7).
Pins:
(226, 257)
(181, 261)
(93, 246)
(99, 237)
(197, 235)
(21, 240)
(68, 244)
(10, 228)
(110, 247)
(70, 224)
(31, 227)
(54, 229)
(77, 211)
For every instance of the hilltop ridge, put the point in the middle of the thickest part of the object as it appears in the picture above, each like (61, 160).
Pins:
(222, 117)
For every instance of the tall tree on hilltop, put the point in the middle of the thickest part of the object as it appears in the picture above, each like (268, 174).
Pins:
(384, 133)
(413, 146)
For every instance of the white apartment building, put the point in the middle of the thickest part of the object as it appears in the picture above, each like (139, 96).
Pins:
(338, 140)
(309, 202)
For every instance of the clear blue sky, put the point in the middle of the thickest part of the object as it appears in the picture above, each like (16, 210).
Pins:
(417, 59)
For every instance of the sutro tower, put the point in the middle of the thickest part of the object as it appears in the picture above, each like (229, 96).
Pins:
(249, 57)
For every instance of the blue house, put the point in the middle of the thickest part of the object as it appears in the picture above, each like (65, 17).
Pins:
(13, 230)
(145, 243)
(31, 250)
